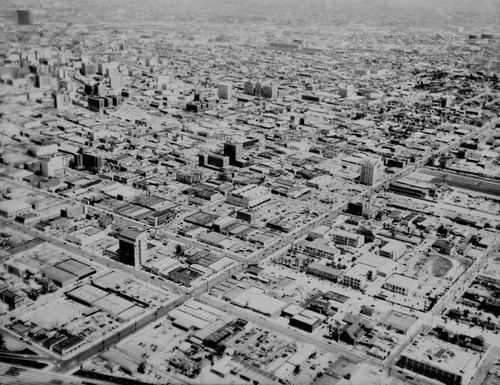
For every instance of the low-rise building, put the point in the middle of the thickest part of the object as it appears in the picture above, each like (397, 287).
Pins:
(358, 276)
(346, 238)
(324, 272)
(249, 196)
(440, 360)
(393, 249)
(12, 208)
(400, 284)
(319, 248)
(400, 322)
(86, 235)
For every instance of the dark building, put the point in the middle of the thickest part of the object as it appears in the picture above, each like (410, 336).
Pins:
(90, 162)
(214, 160)
(96, 103)
(355, 208)
(235, 151)
(23, 17)
(132, 246)
(161, 217)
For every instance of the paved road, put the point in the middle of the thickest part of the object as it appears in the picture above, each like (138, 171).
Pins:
(16, 374)
(294, 333)
(139, 274)
(72, 363)
(67, 365)
(488, 362)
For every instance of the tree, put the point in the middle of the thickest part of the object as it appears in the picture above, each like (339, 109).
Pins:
(367, 233)
(179, 250)
(48, 285)
(479, 341)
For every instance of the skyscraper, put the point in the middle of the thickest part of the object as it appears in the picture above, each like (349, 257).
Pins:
(372, 171)
(234, 151)
(132, 246)
(249, 88)
(23, 17)
(225, 90)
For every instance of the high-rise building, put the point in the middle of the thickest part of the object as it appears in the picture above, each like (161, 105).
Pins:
(269, 91)
(51, 166)
(61, 99)
(225, 90)
(88, 161)
(115, 82)
(23, 17)
(99, 89)
(258, 89)
(234, 151)
(372, 171)
(42, 81)
(249, 88)
(132, 246)
(96, 103)
(346, 92)
(88, 69)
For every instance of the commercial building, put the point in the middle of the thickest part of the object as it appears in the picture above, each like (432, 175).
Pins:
(161, 217)
(400, 284)
(132, 246)
(189, 177)
(235, 150)
(306, 320)
(89, 161)
(86, 236)
(12, 208)
(269, 91)
(358, 276)
(249, 196)
(249, 87)
(372, 171)
(393, 249)
(319, 248)
(225, 90)
(52, 166)
(440, 360)
(399, 322)
(214, 160)
(346, 238)
(324, 272)
(23, 17)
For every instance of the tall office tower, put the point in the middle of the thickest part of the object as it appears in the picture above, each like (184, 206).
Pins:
(225, 90)
(115, 82)
(346, 92)
(269, 91)
(96, 103)
(249, 88)
(99, 89)
(61, 99)
(234, 151)
(23, 17)
(132, 246)
(258, 89)
(88, 69)
(372, 171)
(42, 81)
